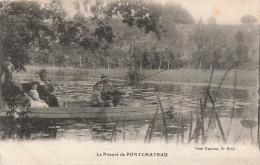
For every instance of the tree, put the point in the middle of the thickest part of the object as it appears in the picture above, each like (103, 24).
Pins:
(229, 60)
(211, 20)
(144, 15)
(242, 52)
(22, 26)
(200, 39)
(242, 47)
(29, 26)
(210, 41)
(175, 13)
(248, 19)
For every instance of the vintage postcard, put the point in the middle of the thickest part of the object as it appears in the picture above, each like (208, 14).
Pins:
(129, 82)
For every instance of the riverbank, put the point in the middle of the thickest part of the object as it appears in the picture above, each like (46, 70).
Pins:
(245, 78)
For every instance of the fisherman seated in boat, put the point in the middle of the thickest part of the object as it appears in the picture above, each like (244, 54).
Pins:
(46, 89)
(34, 98)
(109, 93)
(96, 100)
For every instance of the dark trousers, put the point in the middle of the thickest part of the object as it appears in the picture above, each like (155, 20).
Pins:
(51, 100)
(98, 105)
(114, 96)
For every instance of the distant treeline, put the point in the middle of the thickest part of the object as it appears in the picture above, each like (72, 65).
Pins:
(123, 33)
(191, 46)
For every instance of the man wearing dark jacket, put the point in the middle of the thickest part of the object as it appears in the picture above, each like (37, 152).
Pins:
(108, 92)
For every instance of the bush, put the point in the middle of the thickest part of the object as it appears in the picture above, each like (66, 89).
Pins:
(133, 77)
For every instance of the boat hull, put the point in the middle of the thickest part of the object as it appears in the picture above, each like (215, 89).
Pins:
(99, 113)
(126, 113)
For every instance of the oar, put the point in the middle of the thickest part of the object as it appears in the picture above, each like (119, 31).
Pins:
(114, 129)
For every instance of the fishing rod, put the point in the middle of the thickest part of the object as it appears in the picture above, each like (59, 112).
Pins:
(147, 77)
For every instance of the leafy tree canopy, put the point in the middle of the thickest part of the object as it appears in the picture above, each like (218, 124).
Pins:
(144, 15)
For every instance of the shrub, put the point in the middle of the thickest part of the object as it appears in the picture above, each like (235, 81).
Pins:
(133, 77)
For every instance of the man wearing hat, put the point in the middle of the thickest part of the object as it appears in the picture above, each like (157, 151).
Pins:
(108, 93)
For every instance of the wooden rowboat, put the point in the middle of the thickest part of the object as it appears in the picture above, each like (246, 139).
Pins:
(70, 111)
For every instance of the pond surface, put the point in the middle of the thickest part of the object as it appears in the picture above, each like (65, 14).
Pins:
(239, 103)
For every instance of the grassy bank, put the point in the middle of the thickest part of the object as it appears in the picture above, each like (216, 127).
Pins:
(244, 77)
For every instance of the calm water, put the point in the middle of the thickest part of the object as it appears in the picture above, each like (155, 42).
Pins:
(184, 98)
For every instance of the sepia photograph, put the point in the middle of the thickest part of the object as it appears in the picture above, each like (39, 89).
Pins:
(129, 82)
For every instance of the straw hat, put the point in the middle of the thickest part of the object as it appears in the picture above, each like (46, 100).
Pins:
(103, 77)
(32, 83)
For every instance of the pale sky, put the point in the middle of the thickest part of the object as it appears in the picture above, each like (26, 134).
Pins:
(225, 11)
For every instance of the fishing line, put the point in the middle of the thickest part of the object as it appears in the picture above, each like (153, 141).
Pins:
(147, 76)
